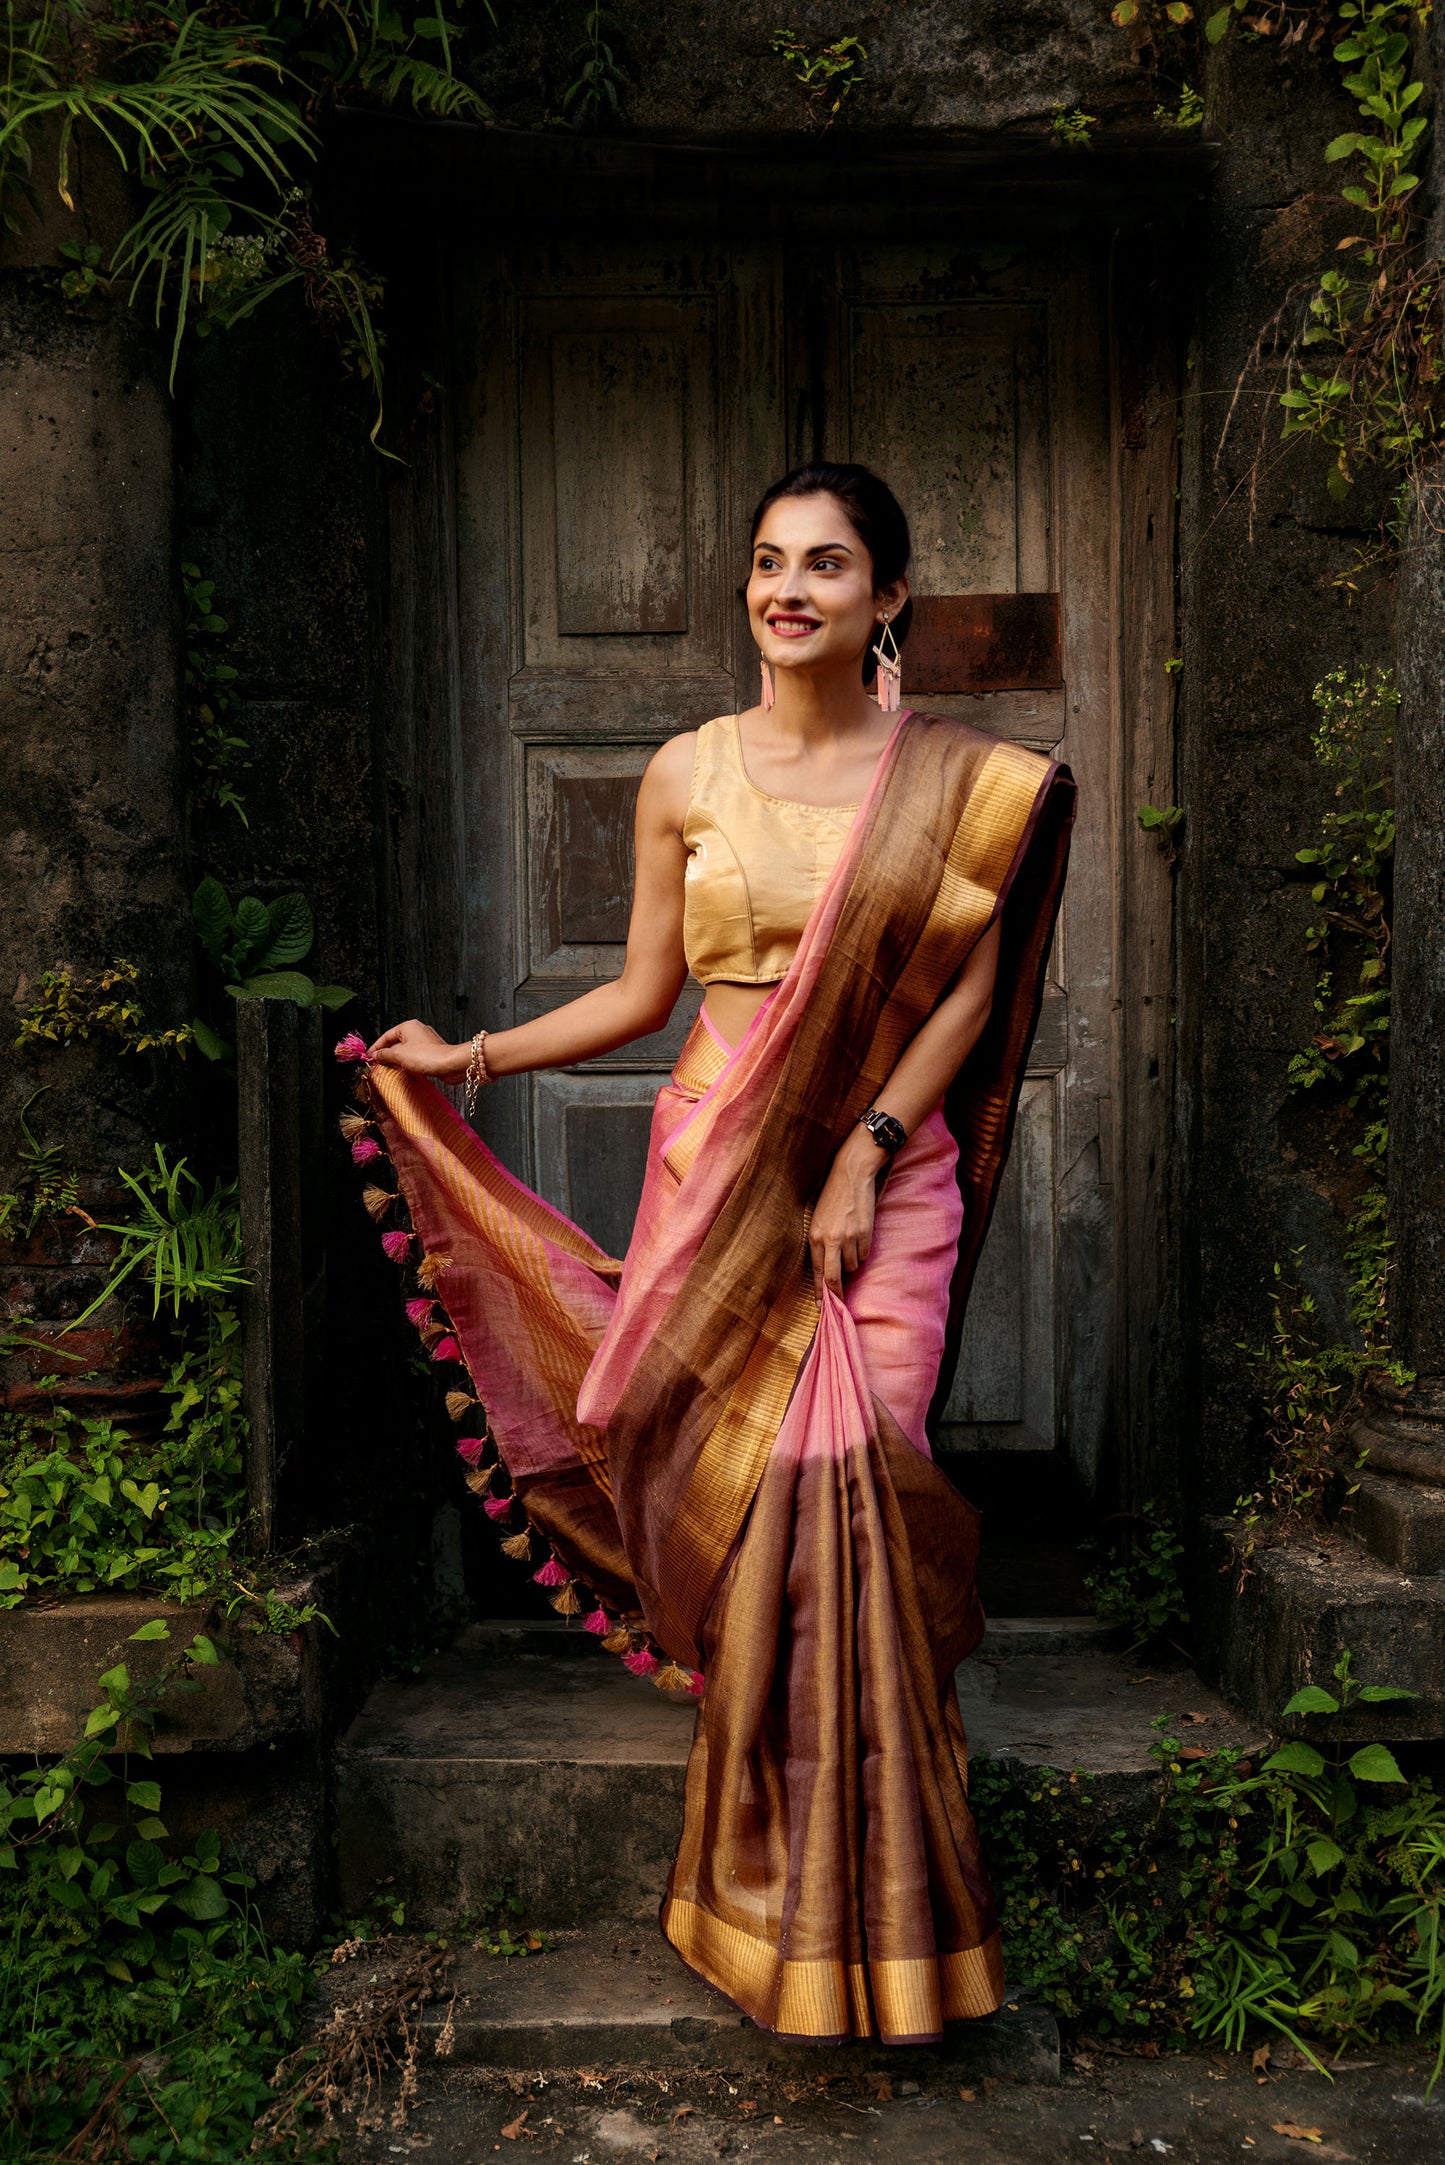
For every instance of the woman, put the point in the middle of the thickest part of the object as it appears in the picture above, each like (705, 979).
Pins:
(725, 1439)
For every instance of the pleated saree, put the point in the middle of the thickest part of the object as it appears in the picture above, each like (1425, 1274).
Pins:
(734, 1464)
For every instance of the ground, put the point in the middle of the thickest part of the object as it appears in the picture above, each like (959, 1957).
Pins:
(1194, 2107)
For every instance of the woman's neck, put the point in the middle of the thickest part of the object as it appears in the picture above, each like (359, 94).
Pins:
(821, 706)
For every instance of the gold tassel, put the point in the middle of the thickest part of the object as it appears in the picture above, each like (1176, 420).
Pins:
(361, 1090)
(618, 1641)
(565, 1601)
(378, 1201)
(429, 1270)
(479, 1479)
(518, 1547)
(433, 1333)
(459, 1404)
(354, 1126)
(671, 1678)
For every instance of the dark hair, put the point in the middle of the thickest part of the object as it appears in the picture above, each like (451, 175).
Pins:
(874, 513)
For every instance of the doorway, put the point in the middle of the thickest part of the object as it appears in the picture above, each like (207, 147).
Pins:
(619, 408)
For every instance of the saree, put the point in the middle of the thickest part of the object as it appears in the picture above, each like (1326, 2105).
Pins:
(732, 1462)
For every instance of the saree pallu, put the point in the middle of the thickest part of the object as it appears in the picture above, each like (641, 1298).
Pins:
(735, 1463)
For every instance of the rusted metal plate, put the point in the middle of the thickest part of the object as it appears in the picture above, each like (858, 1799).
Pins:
(983, 643)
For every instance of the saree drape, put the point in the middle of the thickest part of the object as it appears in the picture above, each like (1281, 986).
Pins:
(735, 1463)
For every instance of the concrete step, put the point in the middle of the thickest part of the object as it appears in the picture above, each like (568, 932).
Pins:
(616, 1996)
(524, 1753)
(1400, 1520)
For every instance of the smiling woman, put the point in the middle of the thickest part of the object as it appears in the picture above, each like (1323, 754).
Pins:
(725, 1437)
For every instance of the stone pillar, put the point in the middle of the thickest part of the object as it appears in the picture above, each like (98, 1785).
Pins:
(1399, 1508)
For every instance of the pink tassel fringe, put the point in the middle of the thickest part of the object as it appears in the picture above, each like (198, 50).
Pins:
(446, 1349)
(397, 1245)
(551, 1574)
(419, 1312)
(363, 1150)
(471, 1448)
(498, 1507)
(599, 1623)
(694, 1683)
(641, 1663)
(351, 1047)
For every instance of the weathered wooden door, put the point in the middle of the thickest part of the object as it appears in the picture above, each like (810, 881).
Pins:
(627, 412)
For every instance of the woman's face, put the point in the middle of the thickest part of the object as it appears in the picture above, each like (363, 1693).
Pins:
(811, 597)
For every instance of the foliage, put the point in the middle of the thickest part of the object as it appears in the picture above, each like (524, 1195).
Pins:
(1188, 113)
(189, 1243)
(256, 945)
(215, 750)
(1302, 1895)
(45, 1190)
(496, 1926)
(69, 1007)
(86, 1506)
(1354, 743)
(1376, 397)
(1072, 126)
(829, 76)
(592, 96)
(142, 2010)
(1139, 1588)
(210, 110)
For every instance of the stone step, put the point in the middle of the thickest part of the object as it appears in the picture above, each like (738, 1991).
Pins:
(1400, 1520)
(525, 1754)
(617, 1996)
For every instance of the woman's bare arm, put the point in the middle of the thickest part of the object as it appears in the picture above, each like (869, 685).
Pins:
(630, 1006)
(840, 1231)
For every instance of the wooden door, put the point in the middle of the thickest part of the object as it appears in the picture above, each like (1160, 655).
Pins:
(626, 414)
(977, 381)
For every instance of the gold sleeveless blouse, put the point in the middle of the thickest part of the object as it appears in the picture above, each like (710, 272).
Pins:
(756, 865)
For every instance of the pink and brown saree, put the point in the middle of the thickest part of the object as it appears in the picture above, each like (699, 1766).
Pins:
(738, 1470)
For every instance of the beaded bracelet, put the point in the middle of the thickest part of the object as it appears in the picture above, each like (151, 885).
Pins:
(477, 1073)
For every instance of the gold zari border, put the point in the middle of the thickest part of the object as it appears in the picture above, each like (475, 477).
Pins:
(898, 2000)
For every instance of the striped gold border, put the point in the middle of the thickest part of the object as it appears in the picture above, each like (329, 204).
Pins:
(899, 2000)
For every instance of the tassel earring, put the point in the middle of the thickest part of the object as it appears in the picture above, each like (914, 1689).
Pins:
(890, 671)
(767, 687)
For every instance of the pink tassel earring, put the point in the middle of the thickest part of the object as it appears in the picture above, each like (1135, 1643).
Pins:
(890, 671)
(767, 687)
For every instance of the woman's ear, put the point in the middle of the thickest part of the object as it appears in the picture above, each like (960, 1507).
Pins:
(892, 596)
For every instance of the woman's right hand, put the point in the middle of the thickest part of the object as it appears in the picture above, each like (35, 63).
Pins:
(420, 1050)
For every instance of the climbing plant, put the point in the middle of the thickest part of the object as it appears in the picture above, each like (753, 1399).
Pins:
(211, 112)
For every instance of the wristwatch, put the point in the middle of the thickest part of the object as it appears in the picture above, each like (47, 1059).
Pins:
(889, 1134)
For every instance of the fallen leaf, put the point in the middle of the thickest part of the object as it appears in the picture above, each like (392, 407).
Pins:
(1259, 2059)
(990, 2084)
(1148, 2050)
(883, 2092)
(968, 2096)
(1293, 2129)
(747, 2104)
(1196, 1717)
(1220, 2061)
(681, 2113)
(514, 2128)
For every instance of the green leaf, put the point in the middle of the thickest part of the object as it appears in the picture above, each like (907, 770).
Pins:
(209, 1043)
(332, 996)
(1218, 23)
(1372, 1763)
(114, 1967)
(211, 913)
(1296, 1759)
(203, 1899)
(157, 1628)
(1377, 1694)
(1312, 1700)
(278, 985)
(289, 933)
(100, 1718)
(1343, 146)
(151, 1830)
(203, 1650)
(1323, 1854)
(146, 1796)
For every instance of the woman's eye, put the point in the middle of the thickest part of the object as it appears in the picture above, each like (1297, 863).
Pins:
(825, 563)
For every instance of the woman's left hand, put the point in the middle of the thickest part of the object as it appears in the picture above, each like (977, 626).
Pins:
(840, 1232)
